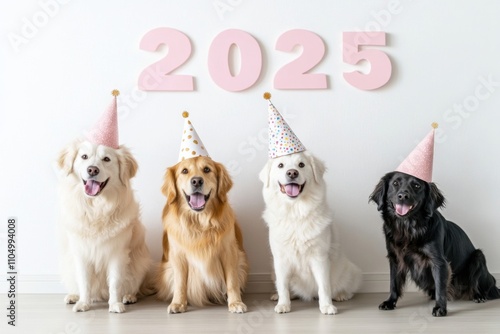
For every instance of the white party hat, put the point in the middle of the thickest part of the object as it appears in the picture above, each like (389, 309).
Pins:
(282, 140)
(191, 145)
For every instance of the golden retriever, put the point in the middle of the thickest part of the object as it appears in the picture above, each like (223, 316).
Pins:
(308, 260)
(203, 257)
(104, 255)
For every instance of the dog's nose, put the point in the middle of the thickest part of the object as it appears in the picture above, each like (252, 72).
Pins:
(196, 182)
(292, 173)
(92, 170)
(403, 195)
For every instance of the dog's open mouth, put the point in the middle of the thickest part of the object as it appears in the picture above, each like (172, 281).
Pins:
(402, 209)
(292, 189)
(197, 201)
(93, 187)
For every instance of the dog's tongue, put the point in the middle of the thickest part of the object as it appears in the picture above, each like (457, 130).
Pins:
(92, 187)
(197, 200)
(402, 209)
(292, 189)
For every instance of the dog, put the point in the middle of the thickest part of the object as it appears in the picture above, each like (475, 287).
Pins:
(104, 254)
(437, 253)
(203, 259)
(304, 242)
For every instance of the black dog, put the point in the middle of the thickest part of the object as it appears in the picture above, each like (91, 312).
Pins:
(439, 256)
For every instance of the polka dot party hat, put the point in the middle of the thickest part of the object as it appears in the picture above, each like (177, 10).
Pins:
(420, 161)
(105, 131)
(282, 140)
(191, 145)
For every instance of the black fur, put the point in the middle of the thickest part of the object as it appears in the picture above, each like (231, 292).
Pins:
(437, 253)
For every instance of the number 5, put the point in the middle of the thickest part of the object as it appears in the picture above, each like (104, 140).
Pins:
(380, 64)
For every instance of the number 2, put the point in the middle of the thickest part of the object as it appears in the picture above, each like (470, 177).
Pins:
(157, 76)
(294, 75)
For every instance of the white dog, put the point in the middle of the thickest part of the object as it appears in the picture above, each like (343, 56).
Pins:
(304, 242)
(104, 255)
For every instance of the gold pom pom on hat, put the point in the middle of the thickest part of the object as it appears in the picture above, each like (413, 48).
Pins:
(434, 125)
(185, 114)
(267, 96)
(115, 92)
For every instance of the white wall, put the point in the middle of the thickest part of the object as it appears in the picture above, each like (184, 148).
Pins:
(57, 84)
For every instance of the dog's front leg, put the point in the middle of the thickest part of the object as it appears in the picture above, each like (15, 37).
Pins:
(440, 273)
(83, 274)
(398, 280)
(321, 271)
(282, 286)
(117, 268)
(179, 300)
(235, 305)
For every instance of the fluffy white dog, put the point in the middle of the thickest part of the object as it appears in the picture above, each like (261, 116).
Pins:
(308, 261)
(104, 255)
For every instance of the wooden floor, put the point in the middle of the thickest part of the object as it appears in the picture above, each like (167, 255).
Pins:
(41, 313)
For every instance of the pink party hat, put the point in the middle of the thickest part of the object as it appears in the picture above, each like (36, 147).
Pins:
(282, 140)
(191, 145)
(420, 161)
(105, 131)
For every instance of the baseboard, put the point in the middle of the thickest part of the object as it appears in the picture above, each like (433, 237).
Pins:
(257, 283)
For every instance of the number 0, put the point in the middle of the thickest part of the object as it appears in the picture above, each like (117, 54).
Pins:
(218, 60)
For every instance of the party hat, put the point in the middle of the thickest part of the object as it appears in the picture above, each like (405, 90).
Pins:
(420, 161)
(191, 145)
(282, 140)
(105, 131)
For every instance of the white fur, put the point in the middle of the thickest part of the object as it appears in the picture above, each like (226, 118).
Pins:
(308, 261)
(103, 250)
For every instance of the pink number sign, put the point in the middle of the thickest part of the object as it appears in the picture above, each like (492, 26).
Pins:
(218, 60)
(294, 75)
(380, 64)
(157, 76)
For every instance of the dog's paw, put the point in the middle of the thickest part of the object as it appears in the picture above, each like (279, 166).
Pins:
(237, 307)
(116, 308)
(71, 299)
(129, 299)
(328, 309)
(81, 307)
(342, 296)
(387, 305)
(479, 299)
(439, 311)
(274, 297)
(177, 308)
(282, 308)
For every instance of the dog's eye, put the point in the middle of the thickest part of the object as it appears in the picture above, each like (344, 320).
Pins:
(206, 170)
(280, 165)
(184, 171)
(395, 183)
(416, 186)
(106, 159)
(301, 165)
(85, 157)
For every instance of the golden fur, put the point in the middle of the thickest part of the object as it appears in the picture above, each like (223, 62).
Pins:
(103, 251)
(203, 257)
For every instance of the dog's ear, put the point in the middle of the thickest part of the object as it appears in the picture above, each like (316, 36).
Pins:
(318, 167)
(169, 188)
(127, 164)
(224, 182)
(379, 193)
(435, 199)
(264, 173)
(67, 158)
